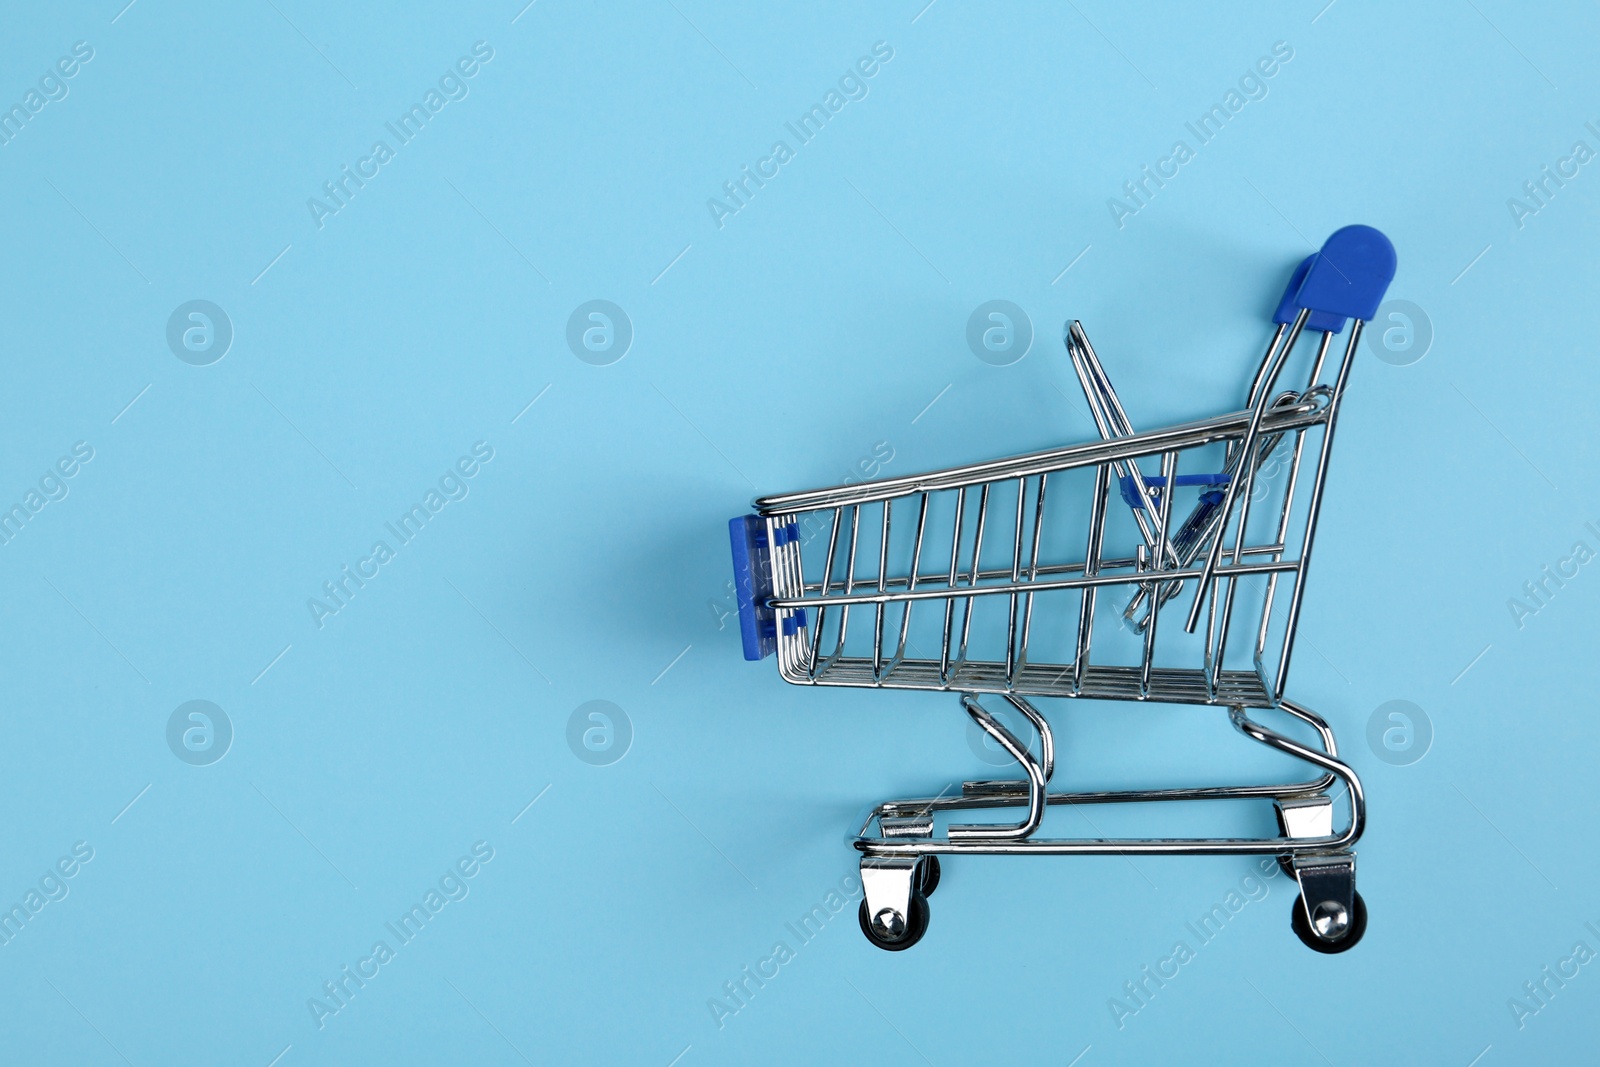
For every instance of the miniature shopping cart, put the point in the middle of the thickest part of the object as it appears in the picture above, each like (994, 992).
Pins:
(991, 580)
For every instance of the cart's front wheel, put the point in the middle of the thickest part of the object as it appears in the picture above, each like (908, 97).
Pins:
(930, 875)
(890, 930)
(1307, 928)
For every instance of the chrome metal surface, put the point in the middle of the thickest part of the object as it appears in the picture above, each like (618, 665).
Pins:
(1008, 794)
(906, 825)
(1017, 551)
(1000, 528)
(1305, 816)
(1038, 770)
(1327, 892)
(886, 884)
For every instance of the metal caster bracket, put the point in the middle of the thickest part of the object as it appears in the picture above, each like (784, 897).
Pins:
(1327, 893)
(886, 883)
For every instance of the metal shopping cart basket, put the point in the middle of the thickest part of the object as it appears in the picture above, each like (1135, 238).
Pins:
(984, 581)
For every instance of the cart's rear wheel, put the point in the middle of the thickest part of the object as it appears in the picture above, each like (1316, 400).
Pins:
(891, 931)
(930, 875)
(1303, 930)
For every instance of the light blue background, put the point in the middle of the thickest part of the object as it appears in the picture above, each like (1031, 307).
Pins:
(590, 559)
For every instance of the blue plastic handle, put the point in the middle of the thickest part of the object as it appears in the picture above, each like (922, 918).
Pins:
(1350, 274)
(1288, 309)
(752, 584)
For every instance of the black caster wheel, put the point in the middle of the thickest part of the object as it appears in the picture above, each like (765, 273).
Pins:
(1302, 928)
(910, 930)
(930, 875)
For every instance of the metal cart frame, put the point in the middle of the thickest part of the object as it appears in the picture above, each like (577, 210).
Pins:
(805, 616)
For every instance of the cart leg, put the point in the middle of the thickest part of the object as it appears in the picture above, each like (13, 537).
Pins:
(1302, 817)
(915, 827)
(1037, 770)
